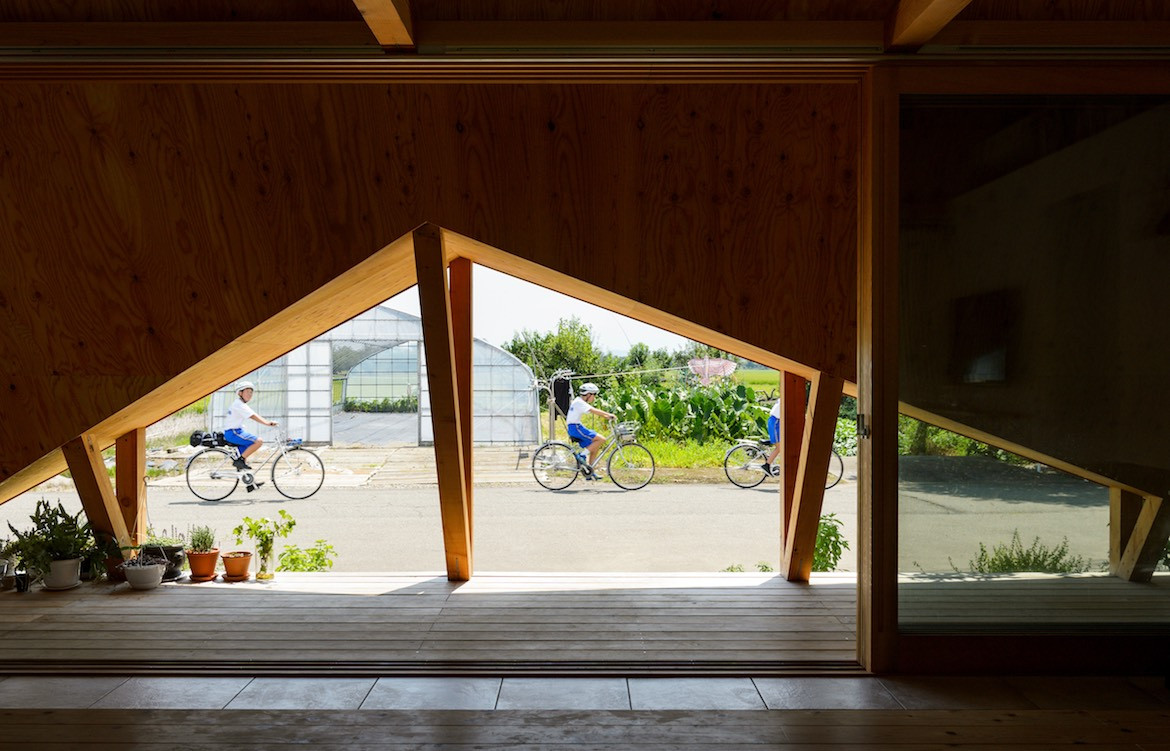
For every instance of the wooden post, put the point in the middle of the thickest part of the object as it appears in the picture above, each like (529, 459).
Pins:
(1147, 536)
(464, 372)
(94, 488)
(824, 403)
(1124, 508)
(130, 482)
(439, 343)
(877, 376)
(793, 404)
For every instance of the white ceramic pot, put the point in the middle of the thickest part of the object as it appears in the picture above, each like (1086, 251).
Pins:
(63, 574)
(144, 577)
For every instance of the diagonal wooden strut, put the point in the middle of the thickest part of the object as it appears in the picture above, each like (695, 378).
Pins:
(93, 487)
(439, 345)
(824, 403)
(1138, 529)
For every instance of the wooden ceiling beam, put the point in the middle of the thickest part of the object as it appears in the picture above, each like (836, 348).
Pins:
(915, 22)
(389, 20)
(159, 34)
(561, 36)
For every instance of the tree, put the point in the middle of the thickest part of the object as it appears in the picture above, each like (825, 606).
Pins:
(570, 347)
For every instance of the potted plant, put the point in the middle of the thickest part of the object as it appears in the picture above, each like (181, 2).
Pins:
(108, 554)
(265, 531)
(9, 559)
(145, 570)
(54, 547)
(168, 546)
(236, 565)
(202, 553)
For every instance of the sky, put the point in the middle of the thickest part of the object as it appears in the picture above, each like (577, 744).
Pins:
(503, 305)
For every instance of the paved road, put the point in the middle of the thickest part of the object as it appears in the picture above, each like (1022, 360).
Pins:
(663, 527)
(517, 527)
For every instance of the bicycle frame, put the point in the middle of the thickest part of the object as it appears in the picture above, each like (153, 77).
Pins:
(280, 450)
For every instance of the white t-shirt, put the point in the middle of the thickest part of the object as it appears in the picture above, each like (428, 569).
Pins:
(776, 410)
(577, 410)
(237, 415)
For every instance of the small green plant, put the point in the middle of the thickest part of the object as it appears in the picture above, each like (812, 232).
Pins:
(264, 532)
(1038, 557)
(167, 538)
(735, 568)
(1165, 559)
(317, 558)
(830, 544)
(765, 567)
(201, 539)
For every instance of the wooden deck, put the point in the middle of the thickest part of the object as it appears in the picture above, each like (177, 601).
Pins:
(526, 624)
(1013, 601)
(496, 624)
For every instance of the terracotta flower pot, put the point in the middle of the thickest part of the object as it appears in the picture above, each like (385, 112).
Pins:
(236, 565)
(202, 564)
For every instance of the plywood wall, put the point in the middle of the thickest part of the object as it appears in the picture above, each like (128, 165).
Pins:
(150, 225)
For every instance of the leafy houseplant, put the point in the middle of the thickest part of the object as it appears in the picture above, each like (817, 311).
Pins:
(202, 553)
(55, 545)
(265, 531)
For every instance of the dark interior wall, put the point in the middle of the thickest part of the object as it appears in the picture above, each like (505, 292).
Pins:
(1032, 283)
(148, 225)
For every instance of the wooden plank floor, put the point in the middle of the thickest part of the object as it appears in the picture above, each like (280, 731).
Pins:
(1012, 600)
(806, 730)
(593, 623)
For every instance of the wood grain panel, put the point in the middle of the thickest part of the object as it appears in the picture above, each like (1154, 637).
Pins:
(189, 215)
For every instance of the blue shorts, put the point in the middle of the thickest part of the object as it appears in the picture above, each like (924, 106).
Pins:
(581, 434)
(239, 438)
(773, 430)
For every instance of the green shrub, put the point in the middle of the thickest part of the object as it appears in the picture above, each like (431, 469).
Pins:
(317, 558)
(1013, 557)
(830, 544)
(201, 539)
(735, 568)
(845, 438)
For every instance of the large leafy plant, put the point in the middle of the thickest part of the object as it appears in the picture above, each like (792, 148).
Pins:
(56, 535)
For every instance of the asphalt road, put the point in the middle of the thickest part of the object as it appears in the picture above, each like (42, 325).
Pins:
(663, 527)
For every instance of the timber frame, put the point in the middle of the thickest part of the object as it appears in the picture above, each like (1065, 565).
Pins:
(959, 48)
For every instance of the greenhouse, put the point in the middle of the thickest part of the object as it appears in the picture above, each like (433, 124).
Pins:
(364, 383)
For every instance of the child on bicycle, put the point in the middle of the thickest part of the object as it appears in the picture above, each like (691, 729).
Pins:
(585, 437)
(774, 439)
(234, 432)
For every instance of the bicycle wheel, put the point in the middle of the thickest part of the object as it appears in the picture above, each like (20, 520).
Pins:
(744, 465)
(298, 473)
(554, 466)
(630, 466)
(836, 470)
(211, 475)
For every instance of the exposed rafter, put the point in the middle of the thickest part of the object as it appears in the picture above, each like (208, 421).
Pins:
(915, 22)
(389, 20)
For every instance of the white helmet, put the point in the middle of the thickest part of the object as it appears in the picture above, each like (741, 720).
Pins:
(244, 385)
(588, 388)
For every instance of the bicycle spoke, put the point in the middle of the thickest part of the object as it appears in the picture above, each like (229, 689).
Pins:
(631, 466)
(210, 475)
(744, 465)
(554, 466)
(298, 473)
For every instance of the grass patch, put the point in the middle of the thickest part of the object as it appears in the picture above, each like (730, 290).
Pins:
(766, 380)
(688, 455)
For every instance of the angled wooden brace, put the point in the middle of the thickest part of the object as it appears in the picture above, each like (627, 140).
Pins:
(93, 485)
(1138, 529)
(824, 403)
(793, 388)
(439, 341)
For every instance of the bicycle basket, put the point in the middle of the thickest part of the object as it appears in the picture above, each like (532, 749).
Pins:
(626, 430)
